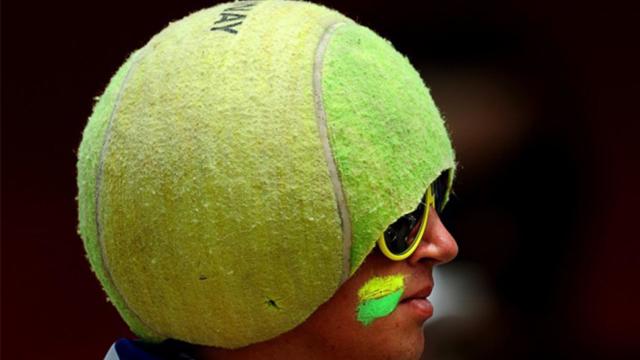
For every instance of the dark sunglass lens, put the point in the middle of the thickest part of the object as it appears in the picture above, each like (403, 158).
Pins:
(401, 234)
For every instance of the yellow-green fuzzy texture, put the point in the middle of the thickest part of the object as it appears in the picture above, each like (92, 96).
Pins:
(216, 215)
(386, 133)
(88, 165)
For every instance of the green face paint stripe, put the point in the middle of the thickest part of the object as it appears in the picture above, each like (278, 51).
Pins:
(378, 287)
(377, 308)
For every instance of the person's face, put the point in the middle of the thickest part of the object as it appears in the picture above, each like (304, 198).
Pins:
(398, 335)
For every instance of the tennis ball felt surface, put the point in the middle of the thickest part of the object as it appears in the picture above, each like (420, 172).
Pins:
(242, 164)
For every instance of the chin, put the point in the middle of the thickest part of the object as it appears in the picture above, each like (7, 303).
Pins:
(418, 346)
(410, 347)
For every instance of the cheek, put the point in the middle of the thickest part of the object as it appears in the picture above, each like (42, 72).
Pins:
(335, 320)
(391, 336)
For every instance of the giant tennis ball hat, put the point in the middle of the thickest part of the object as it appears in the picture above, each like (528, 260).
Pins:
(241, 165)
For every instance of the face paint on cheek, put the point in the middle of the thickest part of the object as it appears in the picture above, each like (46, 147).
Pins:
(379, 297)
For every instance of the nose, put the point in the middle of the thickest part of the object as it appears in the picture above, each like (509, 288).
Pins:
(437, 245)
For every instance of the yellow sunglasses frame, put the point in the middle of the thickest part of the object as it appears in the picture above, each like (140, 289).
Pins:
(399, 257)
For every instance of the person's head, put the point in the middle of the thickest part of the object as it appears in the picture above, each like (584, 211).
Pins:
(247, 173)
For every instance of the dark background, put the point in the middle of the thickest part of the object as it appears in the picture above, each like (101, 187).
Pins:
(542, 103)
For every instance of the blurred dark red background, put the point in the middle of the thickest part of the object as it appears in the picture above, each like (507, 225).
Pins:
(542, 102)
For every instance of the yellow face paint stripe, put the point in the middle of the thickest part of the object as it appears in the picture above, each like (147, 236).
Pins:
(378, 287)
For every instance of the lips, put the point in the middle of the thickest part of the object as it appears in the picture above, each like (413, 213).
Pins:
(419, 294)
(418, 303)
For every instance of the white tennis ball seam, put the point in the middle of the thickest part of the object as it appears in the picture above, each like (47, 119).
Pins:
(321, 117)
(99, 175)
